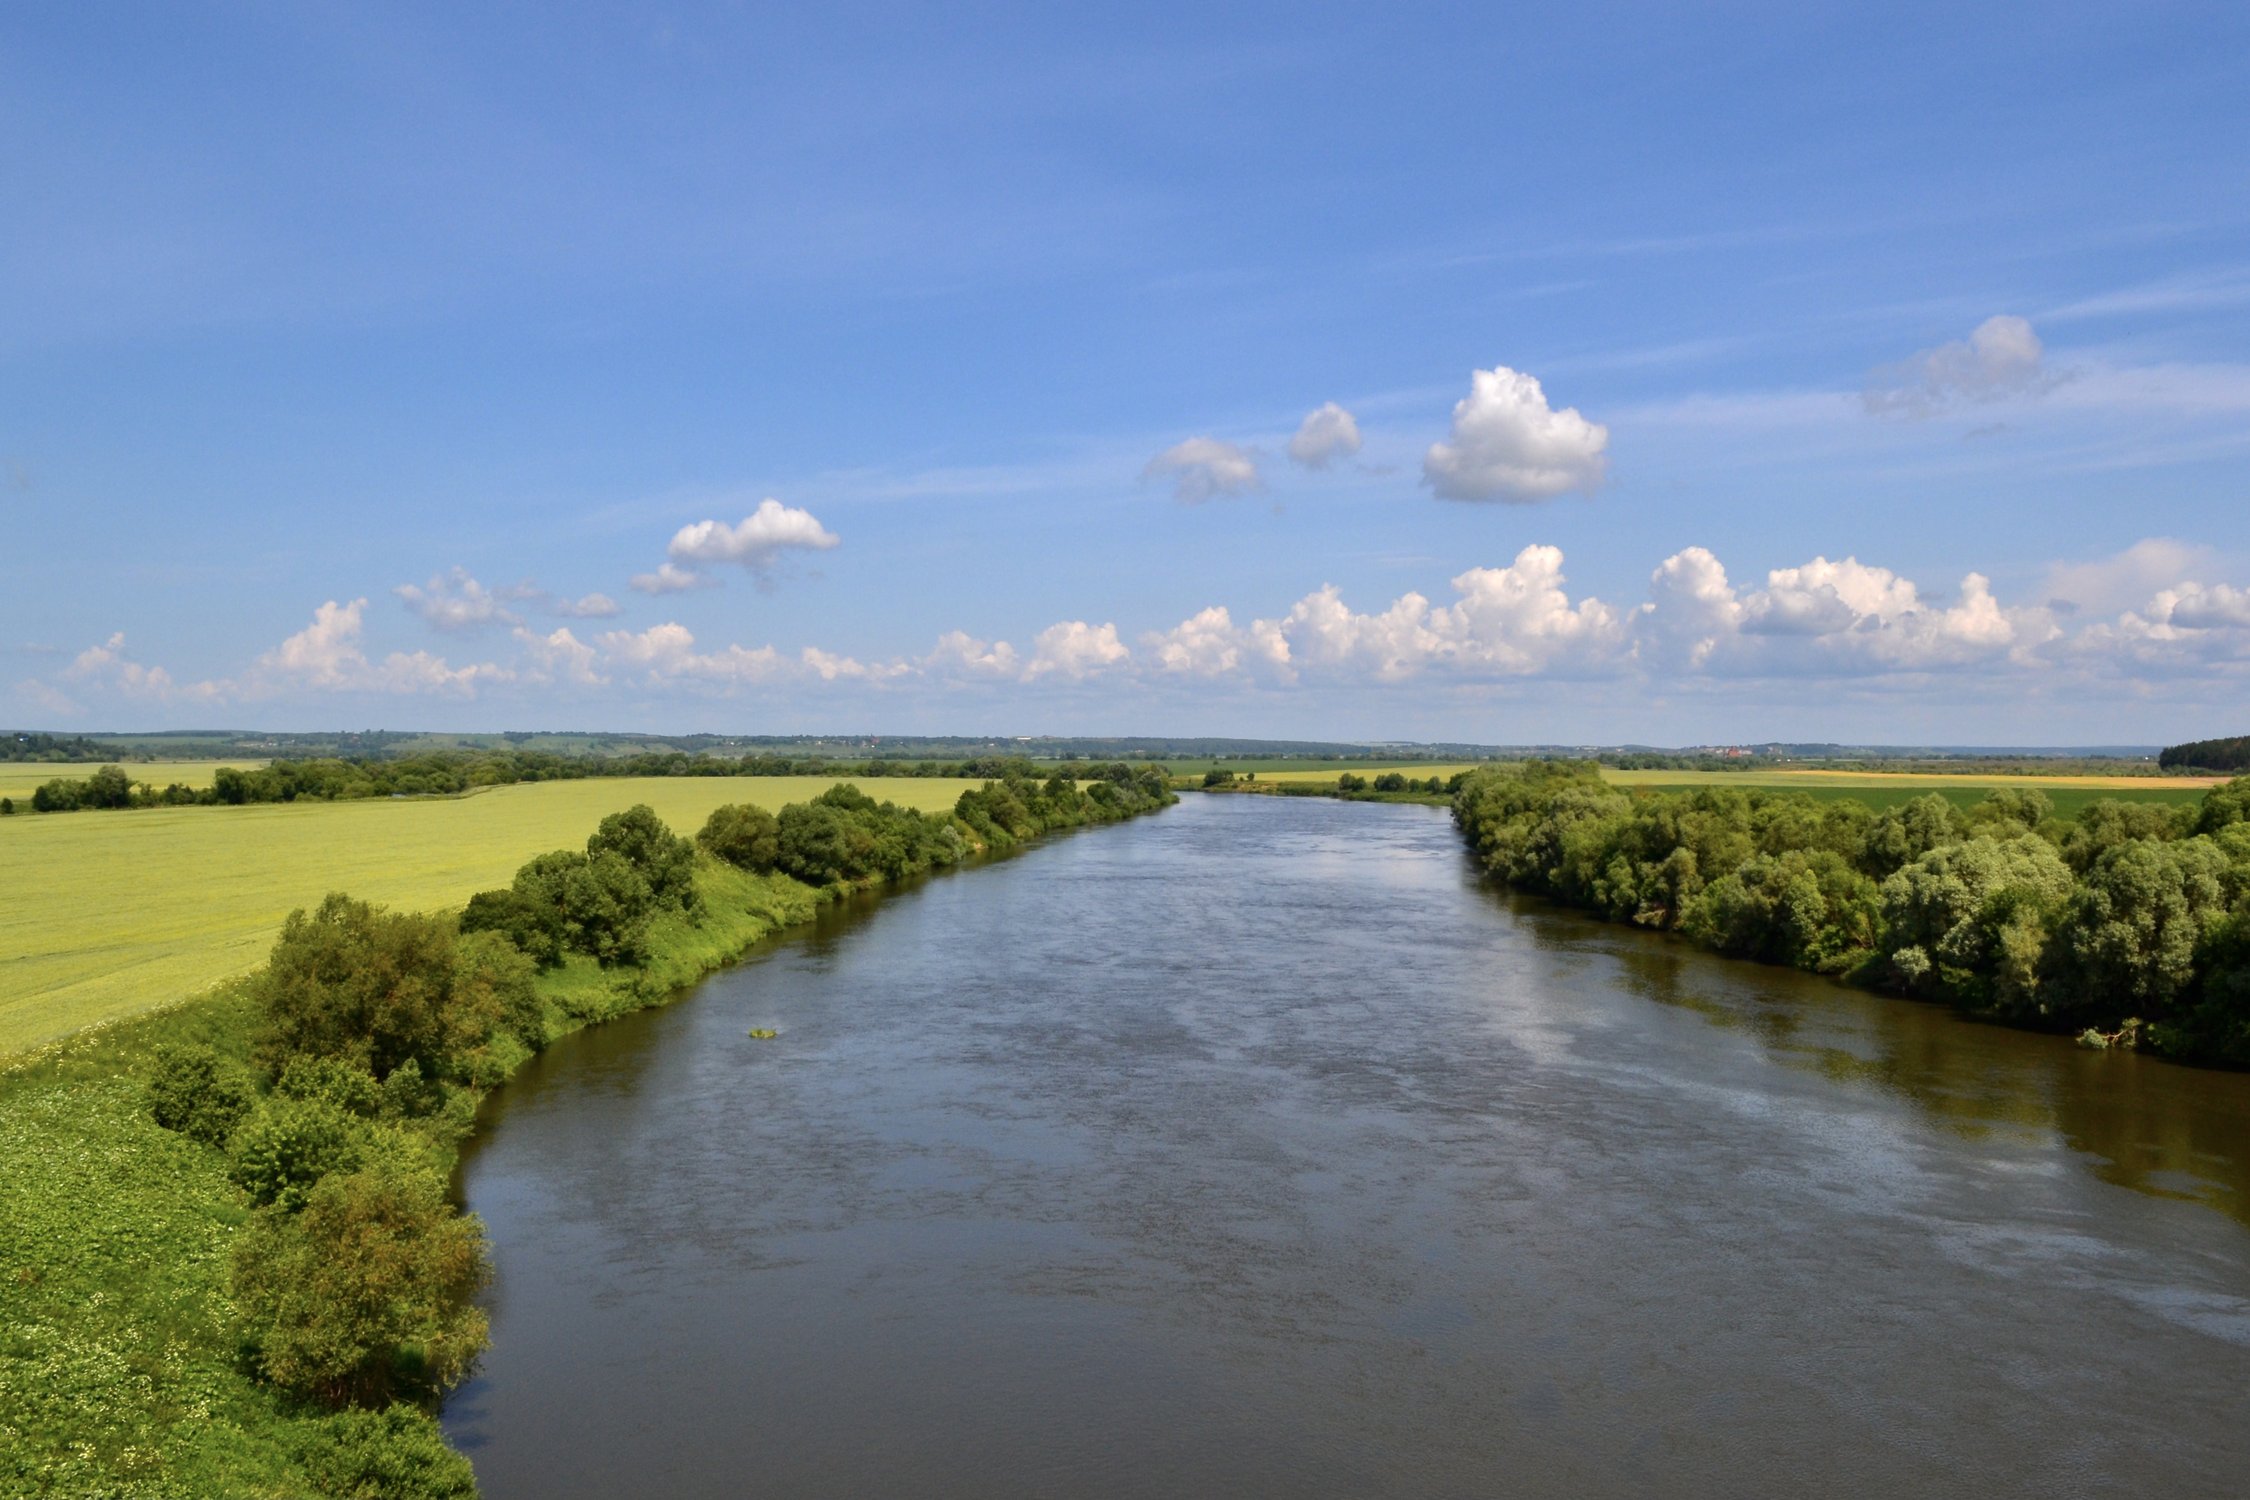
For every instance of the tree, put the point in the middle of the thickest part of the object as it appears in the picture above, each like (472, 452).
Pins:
(2136, 922)
(602, 903)
(367, 1292)
(1970, 920)
(283, 1150)
(107, 787)
(745, 836)
(533, 926)
(657, 854)
(379, 988)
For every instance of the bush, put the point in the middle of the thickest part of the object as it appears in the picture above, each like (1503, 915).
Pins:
(398, 1453)
(535, 927)
(375, 988)
(368, 1292)
(283, 1150)
(657, 854)
(198, 1093)
(749, 838)
(333, 1081)
(493, 979)
(600, 903)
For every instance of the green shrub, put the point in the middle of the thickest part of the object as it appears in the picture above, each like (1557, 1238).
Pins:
(198, 1093)
(533, 925)
(600, 903)
(372, 987)
(746, 837)
(284, 1149)
(333, 1081)
(397, 1453)
(657, 854)
(494, 978)
(368, 1292)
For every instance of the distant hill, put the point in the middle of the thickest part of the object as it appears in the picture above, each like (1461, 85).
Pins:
(2208, 755)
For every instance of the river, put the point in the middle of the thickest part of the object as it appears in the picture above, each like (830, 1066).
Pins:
(1259, 1149)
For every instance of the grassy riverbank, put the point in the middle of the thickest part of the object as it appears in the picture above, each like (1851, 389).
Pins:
(128, 1360)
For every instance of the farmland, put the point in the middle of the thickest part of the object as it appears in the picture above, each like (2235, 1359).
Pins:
(2070, 794)
(20, 778)
(111, 913)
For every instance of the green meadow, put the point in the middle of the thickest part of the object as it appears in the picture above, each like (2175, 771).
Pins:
(112, 913)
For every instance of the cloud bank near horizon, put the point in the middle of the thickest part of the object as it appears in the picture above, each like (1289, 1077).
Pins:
(1825, 625)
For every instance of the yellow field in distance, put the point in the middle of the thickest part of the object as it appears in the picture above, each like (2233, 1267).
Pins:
(109, 913)
(19, 778)
(1417, 770)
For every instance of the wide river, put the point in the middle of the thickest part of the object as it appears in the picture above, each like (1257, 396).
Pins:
(1257, 1149)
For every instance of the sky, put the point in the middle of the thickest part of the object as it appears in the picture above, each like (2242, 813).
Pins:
(1597, 374)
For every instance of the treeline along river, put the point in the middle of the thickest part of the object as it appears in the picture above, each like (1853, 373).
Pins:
(1262, 1149)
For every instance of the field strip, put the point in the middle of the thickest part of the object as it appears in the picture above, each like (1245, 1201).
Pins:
(20, 778)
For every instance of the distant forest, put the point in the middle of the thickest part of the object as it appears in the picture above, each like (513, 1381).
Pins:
(2208, 755)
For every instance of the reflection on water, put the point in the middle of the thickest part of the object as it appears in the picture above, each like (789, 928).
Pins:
(1259, 1149)
(2142, 1123)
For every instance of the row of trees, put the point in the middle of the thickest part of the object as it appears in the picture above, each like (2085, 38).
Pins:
(2131, 922)
(599, 902)
(2208, 755)
(454, 771)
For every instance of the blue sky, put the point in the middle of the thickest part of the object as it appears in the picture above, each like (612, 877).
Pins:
(355, 362)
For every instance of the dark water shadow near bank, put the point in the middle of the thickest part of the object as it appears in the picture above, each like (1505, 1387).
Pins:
(1259, 1149)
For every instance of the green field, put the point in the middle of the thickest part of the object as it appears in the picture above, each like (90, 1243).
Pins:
(110, 913)
(20, 778)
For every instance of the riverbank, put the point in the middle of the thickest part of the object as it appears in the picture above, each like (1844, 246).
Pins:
(2128, 925)
(123, 1364)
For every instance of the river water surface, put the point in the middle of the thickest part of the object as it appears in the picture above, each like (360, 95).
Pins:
(1257, 1149)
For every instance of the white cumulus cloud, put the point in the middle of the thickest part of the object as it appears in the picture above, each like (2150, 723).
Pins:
(1507, 443)
(960, 654)
(755, 541)
(1324, 436)
(1073, 649)
(1204, 468)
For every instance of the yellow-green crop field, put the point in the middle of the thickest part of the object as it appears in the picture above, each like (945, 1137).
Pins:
(19, 779)
(2070, 795)
(1417, 770)
(103, 914)
(1919, 781)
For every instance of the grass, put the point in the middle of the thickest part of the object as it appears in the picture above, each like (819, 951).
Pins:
(118, 1368)
(19, 778)
(113, 913)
